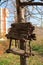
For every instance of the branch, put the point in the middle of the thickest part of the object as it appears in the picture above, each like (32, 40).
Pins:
(3, 2)
(31, 3)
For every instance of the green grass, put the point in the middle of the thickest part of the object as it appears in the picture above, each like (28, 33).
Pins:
(35, 60)
(11, 59)
(38, 48)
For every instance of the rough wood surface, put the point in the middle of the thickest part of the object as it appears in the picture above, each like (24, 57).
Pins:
(31, 3)
(20, 52)
(20, 31)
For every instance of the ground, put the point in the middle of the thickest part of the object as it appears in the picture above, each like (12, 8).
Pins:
(37, 47)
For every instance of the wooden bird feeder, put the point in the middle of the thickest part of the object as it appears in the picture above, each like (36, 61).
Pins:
(20, 31)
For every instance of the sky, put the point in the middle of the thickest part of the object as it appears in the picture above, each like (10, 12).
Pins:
(35, 19)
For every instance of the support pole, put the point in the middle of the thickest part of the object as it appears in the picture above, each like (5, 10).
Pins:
(23, 59)
(10, 44)
(29, 47)
(8, 50)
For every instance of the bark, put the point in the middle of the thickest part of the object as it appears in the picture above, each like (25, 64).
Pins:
(20, 12)
(21, 19)
(31, 3)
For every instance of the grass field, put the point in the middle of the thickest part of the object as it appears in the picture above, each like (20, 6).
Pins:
(11, 59)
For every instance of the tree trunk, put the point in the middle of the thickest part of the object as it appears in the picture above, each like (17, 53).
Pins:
(21, 19)
(20, 12)
(23, 59)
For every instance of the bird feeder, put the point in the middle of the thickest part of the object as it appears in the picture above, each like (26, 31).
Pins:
(22, 32)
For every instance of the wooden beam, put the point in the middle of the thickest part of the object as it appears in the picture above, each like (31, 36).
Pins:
(19, 52)
(31, 3)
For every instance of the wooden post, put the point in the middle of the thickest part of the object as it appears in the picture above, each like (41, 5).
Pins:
(8, 50)
(29, 47)
(10, 44)
(23, 59)
(21, 19)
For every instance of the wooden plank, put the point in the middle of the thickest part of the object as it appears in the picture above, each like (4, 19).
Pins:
(20, 52)
(22, 25)
(19, 31)
(12, 36)
(22, 30)
(18, 37)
